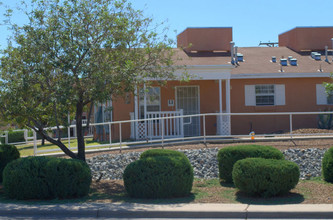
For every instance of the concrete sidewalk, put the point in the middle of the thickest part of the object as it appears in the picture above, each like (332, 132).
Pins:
(193, 210)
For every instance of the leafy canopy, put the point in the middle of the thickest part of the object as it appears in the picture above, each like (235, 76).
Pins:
(74, 53)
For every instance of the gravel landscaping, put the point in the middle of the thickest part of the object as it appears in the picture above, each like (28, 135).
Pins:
(204, 162)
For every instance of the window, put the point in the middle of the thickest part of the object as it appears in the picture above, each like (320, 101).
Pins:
(153, 97)
(264, 94)
(323, 98)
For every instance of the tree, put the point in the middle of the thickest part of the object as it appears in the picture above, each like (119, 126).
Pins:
(73, 54)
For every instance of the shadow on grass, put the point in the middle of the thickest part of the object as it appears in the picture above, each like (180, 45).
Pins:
(103, 193)
(289, 198)
(227, 185)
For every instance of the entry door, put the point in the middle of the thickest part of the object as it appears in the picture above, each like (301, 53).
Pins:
(187, 98)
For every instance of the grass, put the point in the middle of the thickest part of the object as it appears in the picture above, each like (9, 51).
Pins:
(314, 191)
(27, 149)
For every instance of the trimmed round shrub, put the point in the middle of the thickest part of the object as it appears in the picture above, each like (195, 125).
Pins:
(159, 177)
(161, 152)
(228, 156)
(327, 166)
(265, 177)
(46, 178)
(7, 154)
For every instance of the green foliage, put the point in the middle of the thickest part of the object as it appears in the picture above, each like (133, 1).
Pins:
(14, 136)
(159, 177)
(46, 178)
(161, 152)
(228, 156)
(74, 54)
(7, 154)
(327, 165)
(265, 177)
(325, 121)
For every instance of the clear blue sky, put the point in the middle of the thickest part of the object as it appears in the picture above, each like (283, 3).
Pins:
(252, 21)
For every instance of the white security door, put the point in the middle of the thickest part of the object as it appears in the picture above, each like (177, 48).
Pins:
(187, 98)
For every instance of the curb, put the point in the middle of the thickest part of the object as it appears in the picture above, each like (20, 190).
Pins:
(195, 210)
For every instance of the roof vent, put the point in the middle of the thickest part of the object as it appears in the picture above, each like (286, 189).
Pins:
(273, 59)
(316, 55)
(293, 62)
(240, 57)
(283, 62)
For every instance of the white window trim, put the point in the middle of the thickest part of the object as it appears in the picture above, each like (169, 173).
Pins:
(279, 95)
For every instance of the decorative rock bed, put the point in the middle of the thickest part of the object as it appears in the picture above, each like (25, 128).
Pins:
(204, 162)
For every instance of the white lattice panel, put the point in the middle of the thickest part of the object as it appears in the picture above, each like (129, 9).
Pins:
(223, 126)
(141, 131)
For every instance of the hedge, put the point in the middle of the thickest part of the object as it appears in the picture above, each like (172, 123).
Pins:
(14, 136)
(228, 156)
(7, 154)
(46, 178)
(327, 165)
(265, 177)
(161, 152)
(159, 177)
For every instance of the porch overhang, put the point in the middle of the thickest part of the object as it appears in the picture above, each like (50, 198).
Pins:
(206, 72)
(201, 72)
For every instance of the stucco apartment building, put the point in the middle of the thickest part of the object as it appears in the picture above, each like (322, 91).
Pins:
(227, 78)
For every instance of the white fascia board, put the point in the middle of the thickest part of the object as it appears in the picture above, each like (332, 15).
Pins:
(279, 75)
(206, 72)
(202, 72)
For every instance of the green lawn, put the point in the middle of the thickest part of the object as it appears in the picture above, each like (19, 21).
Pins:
(27, 149)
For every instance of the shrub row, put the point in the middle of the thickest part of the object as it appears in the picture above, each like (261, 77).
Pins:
(7, 154)
(228, 156)
(159, 174)
(14, 136)
(257, 170)
(17, 136)
(46, 178)
(265, 177)
(327, 166)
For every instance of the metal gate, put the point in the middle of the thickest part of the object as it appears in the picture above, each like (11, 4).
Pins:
(187, 98)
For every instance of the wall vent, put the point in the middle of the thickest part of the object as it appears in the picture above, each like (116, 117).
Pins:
(293, 62)
(316, 55)
(283, 62)
(240, 57)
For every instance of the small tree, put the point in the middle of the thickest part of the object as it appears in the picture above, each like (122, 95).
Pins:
(73, 54)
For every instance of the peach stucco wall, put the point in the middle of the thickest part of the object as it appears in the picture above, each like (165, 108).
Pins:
(205, 39)
(208, 99)
(300, 96)
(315, 38)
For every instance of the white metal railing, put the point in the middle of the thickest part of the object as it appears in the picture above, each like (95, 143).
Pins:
(170, 127)
(118, 128)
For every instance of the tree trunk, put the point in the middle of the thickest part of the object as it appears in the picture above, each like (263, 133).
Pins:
(80, 135)
(58, 143)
